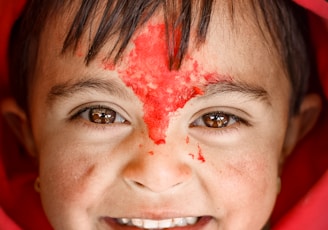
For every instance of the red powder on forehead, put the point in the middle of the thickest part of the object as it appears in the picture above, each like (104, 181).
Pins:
(162, 91)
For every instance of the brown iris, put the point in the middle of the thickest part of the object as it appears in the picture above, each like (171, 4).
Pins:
(102, 115)
(216, 120)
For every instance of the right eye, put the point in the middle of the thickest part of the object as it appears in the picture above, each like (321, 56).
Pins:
(101, 115)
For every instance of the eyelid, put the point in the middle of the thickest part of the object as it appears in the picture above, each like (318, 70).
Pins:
(199, 122)
(231, 111)
(118, 118)
(219, 135)
(77, 112)
(243, 120)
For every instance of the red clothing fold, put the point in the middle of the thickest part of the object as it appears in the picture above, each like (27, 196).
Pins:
(302, 204)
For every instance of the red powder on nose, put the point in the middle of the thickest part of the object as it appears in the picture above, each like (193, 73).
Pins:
(162, 91)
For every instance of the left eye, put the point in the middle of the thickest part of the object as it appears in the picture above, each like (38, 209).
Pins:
(101, 115)
(215, 120)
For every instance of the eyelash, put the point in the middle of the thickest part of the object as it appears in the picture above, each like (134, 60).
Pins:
(232, 121)
(85, 114)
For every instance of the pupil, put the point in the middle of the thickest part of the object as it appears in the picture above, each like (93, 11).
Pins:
(102, 116)
(216, 120)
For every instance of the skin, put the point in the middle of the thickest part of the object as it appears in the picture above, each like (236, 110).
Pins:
(135, 169)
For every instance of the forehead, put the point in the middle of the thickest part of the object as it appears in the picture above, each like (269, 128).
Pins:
(235, 45)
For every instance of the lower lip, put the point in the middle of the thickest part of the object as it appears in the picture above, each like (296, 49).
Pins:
(202, 222)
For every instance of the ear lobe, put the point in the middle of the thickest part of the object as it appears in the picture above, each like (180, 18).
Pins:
(19, 124)
(301, 123)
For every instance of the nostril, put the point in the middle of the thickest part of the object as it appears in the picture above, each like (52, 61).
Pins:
(156, 173)
(157, 181)
(157, 186)
(138, 184)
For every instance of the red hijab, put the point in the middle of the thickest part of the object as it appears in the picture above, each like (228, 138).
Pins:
(302, 204)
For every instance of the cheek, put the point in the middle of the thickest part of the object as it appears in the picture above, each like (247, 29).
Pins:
(255, 176)
(243, 186)
(65, 180)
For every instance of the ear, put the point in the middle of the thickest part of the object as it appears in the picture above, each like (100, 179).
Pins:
(301, 123)
(19, 123)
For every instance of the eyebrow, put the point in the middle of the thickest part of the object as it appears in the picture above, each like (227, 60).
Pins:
(68, 89)
(245, 89)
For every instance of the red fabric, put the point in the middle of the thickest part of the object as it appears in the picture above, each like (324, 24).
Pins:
(20, 206)
(302, 204)
(9, 11)
(310, 212)
(6, 222)
(319, 7)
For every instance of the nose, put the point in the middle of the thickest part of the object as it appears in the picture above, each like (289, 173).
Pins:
(157, 172)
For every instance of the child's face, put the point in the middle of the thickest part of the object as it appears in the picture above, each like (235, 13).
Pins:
(204, 141)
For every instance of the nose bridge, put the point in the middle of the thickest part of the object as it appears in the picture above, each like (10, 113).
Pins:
(157, 170)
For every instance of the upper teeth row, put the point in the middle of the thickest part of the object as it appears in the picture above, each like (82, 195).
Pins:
(158, 224)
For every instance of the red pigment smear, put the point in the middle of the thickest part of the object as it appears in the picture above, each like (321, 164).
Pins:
(162, 91)
(200, 155)
(151, 152)
(192, 155)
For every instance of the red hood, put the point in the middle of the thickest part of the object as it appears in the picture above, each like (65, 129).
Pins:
(302, 204)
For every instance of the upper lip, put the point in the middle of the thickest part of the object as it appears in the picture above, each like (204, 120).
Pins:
(158, 212)
(157, 215)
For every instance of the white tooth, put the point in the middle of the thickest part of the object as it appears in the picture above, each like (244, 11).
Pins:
(168, 223)
(150, 224)
(180, 222)
(137, 222)
(123, 220)
(159, 224)
(191, 220)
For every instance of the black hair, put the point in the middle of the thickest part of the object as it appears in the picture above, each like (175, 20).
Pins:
(286, 23)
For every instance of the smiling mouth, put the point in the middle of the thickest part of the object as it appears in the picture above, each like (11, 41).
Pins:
(151, 224)
(158, 224)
